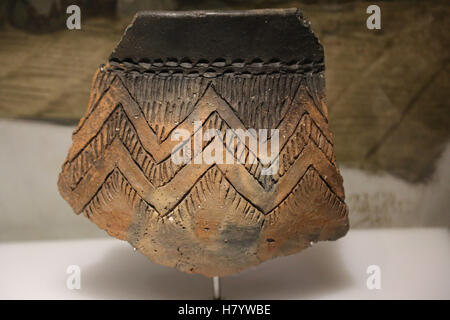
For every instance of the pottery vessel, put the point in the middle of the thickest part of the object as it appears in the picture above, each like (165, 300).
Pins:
(191, 72)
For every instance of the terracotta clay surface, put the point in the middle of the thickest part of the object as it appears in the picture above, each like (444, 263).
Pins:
(212, 219)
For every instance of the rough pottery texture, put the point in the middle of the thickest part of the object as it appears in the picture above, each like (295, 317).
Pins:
(260, 69)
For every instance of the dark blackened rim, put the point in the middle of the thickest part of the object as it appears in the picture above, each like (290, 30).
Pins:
(258, 41)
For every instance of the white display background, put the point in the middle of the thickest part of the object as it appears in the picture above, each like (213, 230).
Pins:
(414, 263)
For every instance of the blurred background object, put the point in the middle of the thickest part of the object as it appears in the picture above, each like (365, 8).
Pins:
(387, 93)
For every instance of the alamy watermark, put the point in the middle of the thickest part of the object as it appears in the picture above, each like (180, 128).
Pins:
(373, 281)
(73, 22)
(73, 281)
(235, 146)
(374, 20)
